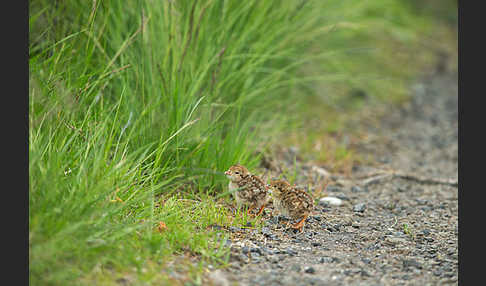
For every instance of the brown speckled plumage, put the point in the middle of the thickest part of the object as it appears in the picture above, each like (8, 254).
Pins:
(292, 202)
(247, 189)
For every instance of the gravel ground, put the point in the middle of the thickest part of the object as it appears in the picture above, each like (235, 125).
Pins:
(387, 230)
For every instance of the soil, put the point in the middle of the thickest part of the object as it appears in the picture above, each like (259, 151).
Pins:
(388, 229)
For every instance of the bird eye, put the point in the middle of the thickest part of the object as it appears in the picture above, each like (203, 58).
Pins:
(237, 173)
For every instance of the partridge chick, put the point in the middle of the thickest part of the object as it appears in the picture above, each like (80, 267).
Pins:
(292, 202)
(247, 189)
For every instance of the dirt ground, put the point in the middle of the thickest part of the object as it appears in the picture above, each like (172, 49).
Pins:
(389, 229)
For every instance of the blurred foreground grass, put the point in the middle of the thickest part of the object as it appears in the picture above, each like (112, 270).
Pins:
(137, 107)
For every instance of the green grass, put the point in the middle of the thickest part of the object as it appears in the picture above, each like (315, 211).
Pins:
(408, 231)
(137, 107)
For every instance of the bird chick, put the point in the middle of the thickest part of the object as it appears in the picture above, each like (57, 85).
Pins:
(247, 189)
(292, 202)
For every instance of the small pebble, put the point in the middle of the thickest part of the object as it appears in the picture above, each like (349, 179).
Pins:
(408, 263)
(272, 220)
(255, 254)
(245, 249)
(267, 251)
(291, 252)
(365, 274)
(327, 259)
(266, 231)
(256, 250)
(331, 201)
(366, 260)
(255, 259)
(356, 189)
(359, 207)
(273, 237)
(310, 270)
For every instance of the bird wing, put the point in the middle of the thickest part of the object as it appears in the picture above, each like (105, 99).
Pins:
(252, 188)
(298, 202)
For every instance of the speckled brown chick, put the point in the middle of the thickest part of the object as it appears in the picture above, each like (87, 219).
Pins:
(247, 189)
(292, 202)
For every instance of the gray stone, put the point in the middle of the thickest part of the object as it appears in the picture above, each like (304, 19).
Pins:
(290, 251)
(255, 259)
(266, 231)
(245, 249)
(409, 263)
(366, 260)
(327, 259)
(256, 250)
(359, 207)
(356, 189)
(255, 254)
(310, 270)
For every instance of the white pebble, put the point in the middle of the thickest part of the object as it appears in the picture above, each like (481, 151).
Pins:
(332, 201)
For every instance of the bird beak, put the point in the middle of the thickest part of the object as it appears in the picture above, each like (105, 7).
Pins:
(227, 173)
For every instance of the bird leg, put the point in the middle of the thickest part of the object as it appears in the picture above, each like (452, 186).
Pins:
(299, 225)
(261, 210)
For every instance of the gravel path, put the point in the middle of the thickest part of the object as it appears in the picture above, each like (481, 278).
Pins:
(387, 230)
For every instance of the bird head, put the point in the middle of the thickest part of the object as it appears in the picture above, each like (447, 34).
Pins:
(277, 187)
(236, 173)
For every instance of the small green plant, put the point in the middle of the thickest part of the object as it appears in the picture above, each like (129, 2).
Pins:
(408, 231)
